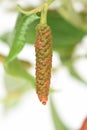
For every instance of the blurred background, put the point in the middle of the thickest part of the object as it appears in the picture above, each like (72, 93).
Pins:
(66, 108)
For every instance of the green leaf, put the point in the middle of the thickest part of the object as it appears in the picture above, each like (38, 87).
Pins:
(65, 35)
(58, 124)
(17, 82)
(76, 18)
(19, 36)
(16, 87)
(15, 68)
(74, 73)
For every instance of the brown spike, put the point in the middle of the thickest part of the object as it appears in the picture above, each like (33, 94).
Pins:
(43, 49)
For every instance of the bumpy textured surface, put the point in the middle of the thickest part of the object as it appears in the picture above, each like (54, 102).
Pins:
(43, 48)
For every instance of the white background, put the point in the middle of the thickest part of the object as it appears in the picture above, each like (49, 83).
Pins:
(70, 101)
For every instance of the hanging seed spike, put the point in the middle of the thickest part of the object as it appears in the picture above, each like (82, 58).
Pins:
(43, 49)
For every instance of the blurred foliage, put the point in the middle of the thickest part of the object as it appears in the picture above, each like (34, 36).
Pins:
(16, 69)
(58, 125)
(70, 14)
(16, 87)
(17, 81)
(68, 28)
(74, 74)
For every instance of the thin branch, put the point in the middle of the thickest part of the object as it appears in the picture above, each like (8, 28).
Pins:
(26, 64)
(44, 13)
(36, 10)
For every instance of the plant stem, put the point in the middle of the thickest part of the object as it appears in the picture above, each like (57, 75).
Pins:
(44, 14)
(26, 64)
(34, 11)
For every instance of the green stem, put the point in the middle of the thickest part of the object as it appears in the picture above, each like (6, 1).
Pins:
(34, 11)
(44, 14)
